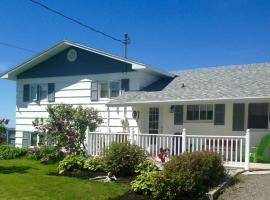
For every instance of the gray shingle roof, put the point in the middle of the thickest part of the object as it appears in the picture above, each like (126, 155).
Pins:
(225, 82)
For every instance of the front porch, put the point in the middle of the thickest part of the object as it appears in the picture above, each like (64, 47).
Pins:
(233, 149)
(204, 117)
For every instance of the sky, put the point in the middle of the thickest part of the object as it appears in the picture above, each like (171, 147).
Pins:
(170, 35)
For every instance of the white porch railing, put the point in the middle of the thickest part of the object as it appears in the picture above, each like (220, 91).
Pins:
(233, 149)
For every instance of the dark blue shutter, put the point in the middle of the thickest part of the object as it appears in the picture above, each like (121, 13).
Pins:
(38, 92)
(94, 91)
(51, 92)
(238, 117)
(125, 84)
(219, 114)
(178, 115)
(26, 93)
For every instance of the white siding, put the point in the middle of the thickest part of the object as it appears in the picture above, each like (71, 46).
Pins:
(76, 90)
(204, 128)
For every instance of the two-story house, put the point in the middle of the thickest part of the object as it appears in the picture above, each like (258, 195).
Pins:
(212, 101)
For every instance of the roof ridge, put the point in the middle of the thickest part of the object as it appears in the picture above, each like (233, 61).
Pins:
(220, 67)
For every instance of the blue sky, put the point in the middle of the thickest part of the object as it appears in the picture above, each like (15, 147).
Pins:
(169, 35)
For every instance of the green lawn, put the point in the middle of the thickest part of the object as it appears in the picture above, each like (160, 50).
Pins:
(28, 179)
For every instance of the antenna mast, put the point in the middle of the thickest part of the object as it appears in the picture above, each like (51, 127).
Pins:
(126, 41)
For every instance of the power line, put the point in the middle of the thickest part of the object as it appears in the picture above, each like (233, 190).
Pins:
(16, 47)
(77, 21)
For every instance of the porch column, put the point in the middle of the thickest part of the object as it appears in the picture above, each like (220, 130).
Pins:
(247, 149)
(108, 119)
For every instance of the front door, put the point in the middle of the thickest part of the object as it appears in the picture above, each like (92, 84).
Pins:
(153, 120)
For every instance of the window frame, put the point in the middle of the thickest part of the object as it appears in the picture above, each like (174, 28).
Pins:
(187, 118)
(268, 116)
(109, 89)
(37, 88)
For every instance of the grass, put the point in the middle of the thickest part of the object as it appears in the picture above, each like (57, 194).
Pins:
(26, 179)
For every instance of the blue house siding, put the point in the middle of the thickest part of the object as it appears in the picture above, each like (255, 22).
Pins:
(86, 63)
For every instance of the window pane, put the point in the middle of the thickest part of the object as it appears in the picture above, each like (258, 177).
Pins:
(202, 112)
(33, 92)
(258, 115)
(43, 92)
(104, 90)
(210, 112)
(196, 112)
(114, 89)
(25, 142)
(189, 112)
(33, 139)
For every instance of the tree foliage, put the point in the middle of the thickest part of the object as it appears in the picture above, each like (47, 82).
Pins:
(66, 126)
(3, 124)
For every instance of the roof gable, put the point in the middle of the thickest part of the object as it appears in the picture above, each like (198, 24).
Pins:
(64, 45)
(86, 63)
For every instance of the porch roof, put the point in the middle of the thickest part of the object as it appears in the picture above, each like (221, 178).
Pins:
(247, 81)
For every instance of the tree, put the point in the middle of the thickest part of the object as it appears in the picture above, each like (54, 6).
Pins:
(3, 129)
(66, 126)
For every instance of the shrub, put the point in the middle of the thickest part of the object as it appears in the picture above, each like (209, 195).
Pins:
(45, 153)
(66, 126)
(143, 183)
(189, 176)
(10, 152)
(146, 166)
(94, 164)
(122, 158)
(70, 163)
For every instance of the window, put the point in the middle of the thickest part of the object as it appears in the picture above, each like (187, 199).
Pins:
(258, 115)
(178, 115)
(200, 112)
(114, 89)
(110, 89)
(11, 137)
(104, 90)
(193, 112)
(37, 92)
(43, 88)
(34, 139)
(153, 120)
(33, 92)
(25, 141)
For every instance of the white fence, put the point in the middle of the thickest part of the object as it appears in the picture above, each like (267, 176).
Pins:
(234, 149)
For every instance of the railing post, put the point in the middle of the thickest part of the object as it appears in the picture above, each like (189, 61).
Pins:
(184, 136)
(247, 147)
(132, 136)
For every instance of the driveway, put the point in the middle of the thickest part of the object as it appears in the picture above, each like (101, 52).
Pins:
(249, 187)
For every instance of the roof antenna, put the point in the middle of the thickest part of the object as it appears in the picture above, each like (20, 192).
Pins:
(126, 41)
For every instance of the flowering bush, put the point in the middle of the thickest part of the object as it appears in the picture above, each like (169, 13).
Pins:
(67, 125)
(45, 154)
(121, 158)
